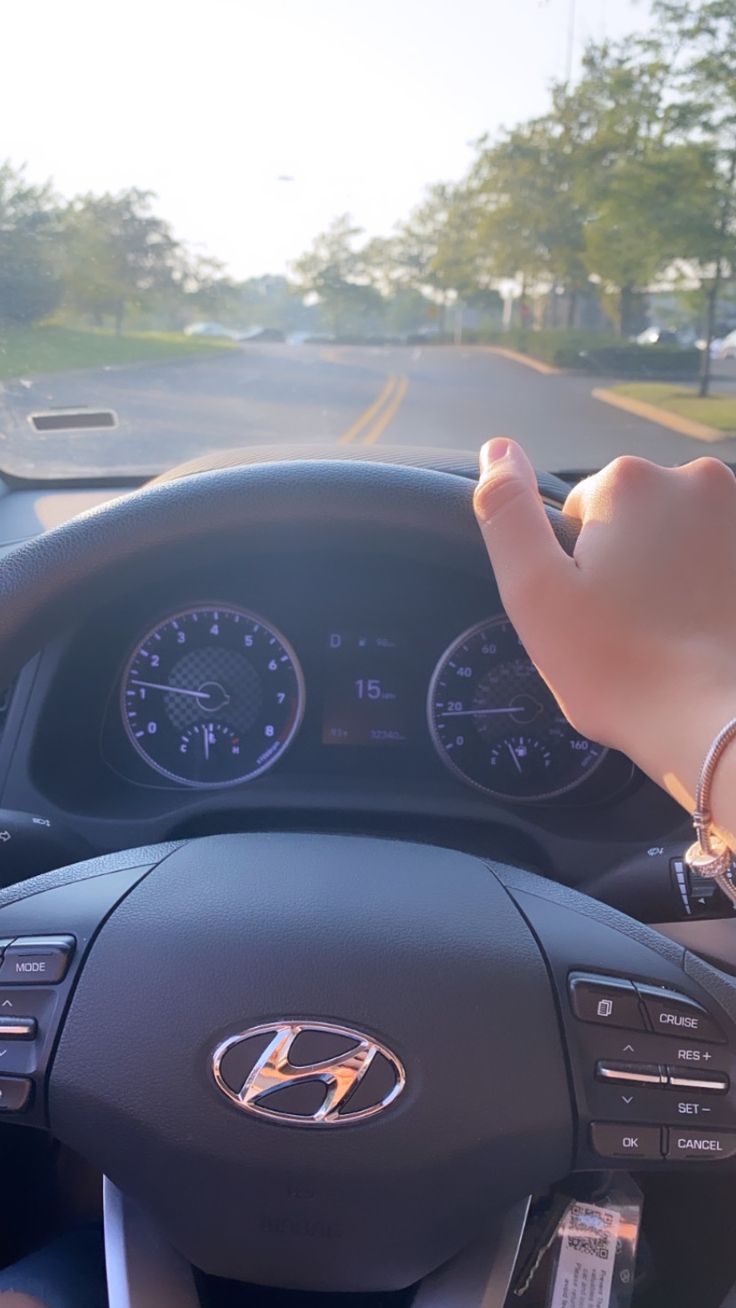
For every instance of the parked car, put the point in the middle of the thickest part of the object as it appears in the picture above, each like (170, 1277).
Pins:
(728, 346)
(658, 336)
(260, 334)
(716, 346)
(210, 329)
(424, 335)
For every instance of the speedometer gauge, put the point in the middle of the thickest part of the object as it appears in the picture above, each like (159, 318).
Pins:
(495, 723)
(212, 696)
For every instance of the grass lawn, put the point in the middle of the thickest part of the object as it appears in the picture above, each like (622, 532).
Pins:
(716, 410)
(27, 351)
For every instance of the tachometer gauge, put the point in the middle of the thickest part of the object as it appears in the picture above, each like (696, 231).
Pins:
(495, 723)
(212, 696)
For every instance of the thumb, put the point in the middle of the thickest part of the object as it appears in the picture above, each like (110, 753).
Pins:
(518, 535)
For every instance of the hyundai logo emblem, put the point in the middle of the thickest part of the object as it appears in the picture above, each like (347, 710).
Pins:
(344, 1074)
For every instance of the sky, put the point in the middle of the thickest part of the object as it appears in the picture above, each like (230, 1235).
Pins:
(212, 104)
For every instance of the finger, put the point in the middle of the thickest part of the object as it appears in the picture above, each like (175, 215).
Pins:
(627, 480)
(576, 503)
(521, 544)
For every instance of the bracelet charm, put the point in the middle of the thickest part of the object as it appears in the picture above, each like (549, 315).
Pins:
(709, 855)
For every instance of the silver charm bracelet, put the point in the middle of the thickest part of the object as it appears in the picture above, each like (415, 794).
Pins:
(709, 855)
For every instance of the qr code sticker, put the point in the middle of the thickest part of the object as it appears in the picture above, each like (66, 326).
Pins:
(588, 1230)
(587, 1259)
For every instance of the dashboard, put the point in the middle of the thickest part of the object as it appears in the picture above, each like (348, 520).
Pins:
(347, 689)
(351, 668)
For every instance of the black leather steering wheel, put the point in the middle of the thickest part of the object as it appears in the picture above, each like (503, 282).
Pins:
(321, 1062)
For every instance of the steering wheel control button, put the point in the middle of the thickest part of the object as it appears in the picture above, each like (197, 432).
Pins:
(36, 960)
(606, 1001)
(702, 1146)
(714, 1082)
(627, 1141)
(15, 1093)
(673, 1014)
(17, 1028)
(639, 1074)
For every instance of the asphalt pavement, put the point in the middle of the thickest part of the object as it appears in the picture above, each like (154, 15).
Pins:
(453, 397)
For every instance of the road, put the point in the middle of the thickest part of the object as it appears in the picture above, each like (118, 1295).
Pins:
(453, 397)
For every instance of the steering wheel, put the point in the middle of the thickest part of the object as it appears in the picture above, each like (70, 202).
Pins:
(331, 1062)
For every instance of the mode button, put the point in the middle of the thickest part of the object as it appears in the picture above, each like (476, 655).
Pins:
(36, 960)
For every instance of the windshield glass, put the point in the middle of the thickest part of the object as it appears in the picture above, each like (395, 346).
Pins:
(415, 224)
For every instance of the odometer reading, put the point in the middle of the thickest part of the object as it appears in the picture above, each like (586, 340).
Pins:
(495, 723)
(212, 696)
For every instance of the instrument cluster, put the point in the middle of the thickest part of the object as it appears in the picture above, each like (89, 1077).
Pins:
(213, 695)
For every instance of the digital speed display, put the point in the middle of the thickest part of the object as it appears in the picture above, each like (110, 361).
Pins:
(366, 689)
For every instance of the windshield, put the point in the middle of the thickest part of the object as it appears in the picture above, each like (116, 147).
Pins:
(412, 224)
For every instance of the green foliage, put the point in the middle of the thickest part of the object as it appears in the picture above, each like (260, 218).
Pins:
(600, 353)
(336, 272)
(559, 346)
(529, 218)
(30, 284)
(437, 249)
(268, 301)
(629, 178)
(627, 174)
(629, 360)
(117, 252)
(26, 351)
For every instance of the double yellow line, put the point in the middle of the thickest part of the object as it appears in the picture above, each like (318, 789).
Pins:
(371, 424)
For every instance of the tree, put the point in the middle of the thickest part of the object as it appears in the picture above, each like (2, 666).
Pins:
(118, 252)
(645, 219)
(435, 252)
(615, 129)
(698, 41)
(202, 289)
(30, 283)
(271, 301)
(529, 218)
(435, 249)
(336, 272)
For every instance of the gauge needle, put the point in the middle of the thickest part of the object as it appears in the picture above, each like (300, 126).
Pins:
(206, 739)
(480, 713)
(512, 752)
(172, 690)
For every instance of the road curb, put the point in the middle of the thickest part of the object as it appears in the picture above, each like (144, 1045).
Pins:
(525, 359)
(663, 417)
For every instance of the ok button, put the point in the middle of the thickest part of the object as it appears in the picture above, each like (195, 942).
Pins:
(626, 1141)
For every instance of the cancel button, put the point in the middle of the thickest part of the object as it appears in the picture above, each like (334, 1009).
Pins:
(706, 1145)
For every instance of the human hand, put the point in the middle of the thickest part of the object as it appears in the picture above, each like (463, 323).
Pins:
(635, 635)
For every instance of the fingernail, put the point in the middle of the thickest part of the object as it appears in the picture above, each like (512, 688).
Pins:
(491, 452)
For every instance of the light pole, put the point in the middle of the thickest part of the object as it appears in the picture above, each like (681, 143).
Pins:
(570, 42)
